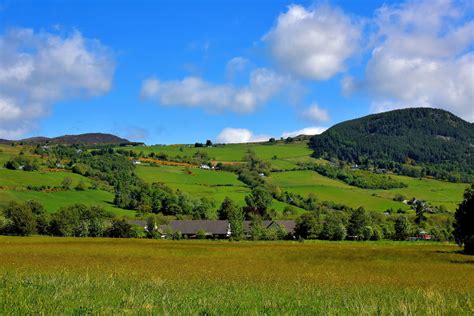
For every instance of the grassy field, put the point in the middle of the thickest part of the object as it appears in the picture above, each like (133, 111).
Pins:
(280, 156)
(52, 201)
(106, 276)
(326, 189)
(217, 185)
(19, 178)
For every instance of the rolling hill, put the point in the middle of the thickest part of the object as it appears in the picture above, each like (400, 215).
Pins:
(418, 136)
(86, 139)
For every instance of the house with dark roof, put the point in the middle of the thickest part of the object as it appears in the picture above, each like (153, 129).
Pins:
(212, 228)
(192, 228)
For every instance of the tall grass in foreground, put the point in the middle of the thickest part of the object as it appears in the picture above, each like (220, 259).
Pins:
(81, 276)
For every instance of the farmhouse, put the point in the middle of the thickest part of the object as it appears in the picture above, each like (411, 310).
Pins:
(212, 228)
(192, 228)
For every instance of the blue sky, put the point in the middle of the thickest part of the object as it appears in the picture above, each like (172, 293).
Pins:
(230, 71)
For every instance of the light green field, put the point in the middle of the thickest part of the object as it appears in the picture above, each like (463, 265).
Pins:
(52, 201)
(7, 152)
(19, 178)
(435, 191)
(180, 175)
(76, 276)
(201, 183)
(233, 152)
(326, 189)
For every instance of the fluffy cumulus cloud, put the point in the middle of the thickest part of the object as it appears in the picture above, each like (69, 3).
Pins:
(231, 135)
(313, 43)
(305, 131)
(40, 69)
(422, 57)
(195, 92)
(315, 114)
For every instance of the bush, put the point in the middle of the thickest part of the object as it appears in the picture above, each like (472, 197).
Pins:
(120, 228)
(201, 234)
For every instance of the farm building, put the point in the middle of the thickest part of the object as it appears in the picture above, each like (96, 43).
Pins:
(212, 228)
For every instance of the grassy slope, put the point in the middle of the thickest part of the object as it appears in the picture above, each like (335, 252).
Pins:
(286, 154)
(218, 185)
(434, 191)
(106, 276)
(201, 183)
(55, 200)
(19, 178)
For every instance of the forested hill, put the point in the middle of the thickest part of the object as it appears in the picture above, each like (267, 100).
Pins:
(86, 139)
(417, 136)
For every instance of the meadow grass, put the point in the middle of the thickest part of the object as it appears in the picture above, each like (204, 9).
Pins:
(202, 183)
(53, 201)
(172, 174)
(107, 276)
(8, 151)
(20, 178)
(233, 152)
(434, 191)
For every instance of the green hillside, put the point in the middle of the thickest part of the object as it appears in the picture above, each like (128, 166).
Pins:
(165, 178)
(436, 141)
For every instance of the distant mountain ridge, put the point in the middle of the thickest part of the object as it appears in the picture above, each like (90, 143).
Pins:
(86, 139)
(418, 136)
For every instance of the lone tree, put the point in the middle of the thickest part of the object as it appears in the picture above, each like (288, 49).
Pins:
(464, 224)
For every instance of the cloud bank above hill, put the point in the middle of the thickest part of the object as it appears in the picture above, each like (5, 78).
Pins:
(40, 69)
(231, 135)
(422, 56)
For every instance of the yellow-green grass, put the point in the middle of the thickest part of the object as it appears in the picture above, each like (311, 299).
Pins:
(44, 275)
(19, 178)
(200, 183)
(232, 152)
(8, 151)
(53, 201)
(326, 189)
(434, 191)
(180, 175)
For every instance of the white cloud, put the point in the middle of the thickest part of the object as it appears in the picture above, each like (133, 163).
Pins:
(231, 135)
(313, 43)
(315, 114)
(40, 69)
(196, 92)
(235, 65)
(422, 57)
(305, 131)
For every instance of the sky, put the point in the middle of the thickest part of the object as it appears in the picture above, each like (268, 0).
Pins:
(165, 72)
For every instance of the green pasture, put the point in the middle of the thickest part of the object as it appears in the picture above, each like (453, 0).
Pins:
(434, 191)
(20, 178)
(53, 201)
(326, 189)
(8, 151)
(181, 175)
(77, 276)
(232, 152)
(201, 183)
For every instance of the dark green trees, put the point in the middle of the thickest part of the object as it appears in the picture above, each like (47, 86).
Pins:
(258, 203)
(402, 228)
(358, 222)
(464, 224)
(22, 218)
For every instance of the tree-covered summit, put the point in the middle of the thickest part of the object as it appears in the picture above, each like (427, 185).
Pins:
(417, 136)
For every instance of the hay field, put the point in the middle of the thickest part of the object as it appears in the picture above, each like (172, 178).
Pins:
(78, 276)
